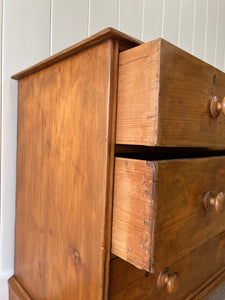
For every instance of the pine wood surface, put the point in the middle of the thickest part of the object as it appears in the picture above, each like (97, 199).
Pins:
(16, 291)
(66, 129)
(201, 271)
(158, 213)
(138, 89)
(164, 95)
(208, 287)
(132, 212)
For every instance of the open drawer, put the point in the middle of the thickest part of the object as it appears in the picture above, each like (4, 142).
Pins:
(162, 210)
(167, 97)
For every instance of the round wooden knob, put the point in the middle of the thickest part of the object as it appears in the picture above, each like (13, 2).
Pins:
(216, 107)
(217, 202)
(171, 281)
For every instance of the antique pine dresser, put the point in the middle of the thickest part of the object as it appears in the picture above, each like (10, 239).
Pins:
(120, 174)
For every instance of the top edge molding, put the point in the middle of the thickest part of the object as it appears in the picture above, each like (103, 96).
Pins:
(125, 42)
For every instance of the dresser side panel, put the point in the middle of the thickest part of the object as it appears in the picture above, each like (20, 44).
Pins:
(66, 126)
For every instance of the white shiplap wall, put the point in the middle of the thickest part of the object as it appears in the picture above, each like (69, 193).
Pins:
(32, 30)
(197, 26)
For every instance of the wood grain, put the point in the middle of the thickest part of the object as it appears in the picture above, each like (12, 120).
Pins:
(65, 159)
(164, 95)
(203, 268)
(138, 89)
(158, 213)
(132, 212)
(209, 286)
(16, 291)
(125, 42)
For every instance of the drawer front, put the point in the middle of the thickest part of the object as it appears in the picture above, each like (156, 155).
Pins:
(164, 97)
(158, 208)
(200, 271)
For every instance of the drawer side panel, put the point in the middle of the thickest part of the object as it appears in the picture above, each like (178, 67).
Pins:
(138, 88)
(65, 164)
(133, 211)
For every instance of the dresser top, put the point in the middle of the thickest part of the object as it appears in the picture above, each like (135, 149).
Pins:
(125, 42)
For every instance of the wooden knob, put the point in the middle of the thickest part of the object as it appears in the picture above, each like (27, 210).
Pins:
(216, 107)
(172, 281)
(217, 202)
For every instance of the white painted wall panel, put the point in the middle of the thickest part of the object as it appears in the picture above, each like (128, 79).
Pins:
(69, 23)
(26, 40)
(1, 25)
(171, 20)
(199, 28)
(103, 13)
(130, 17)
(152, 22)
(4, 290)
(211, 29)
(220, 41)
(4, 293)
(186, 24)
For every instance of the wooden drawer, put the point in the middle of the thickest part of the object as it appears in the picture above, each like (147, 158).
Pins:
(158, 213)
(164, 97)
(200, 271)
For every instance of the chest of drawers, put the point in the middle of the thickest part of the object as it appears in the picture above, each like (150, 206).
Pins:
(120, 174)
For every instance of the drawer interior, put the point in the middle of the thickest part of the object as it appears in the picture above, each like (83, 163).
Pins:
(164, 153)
